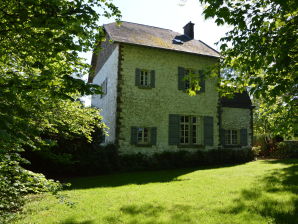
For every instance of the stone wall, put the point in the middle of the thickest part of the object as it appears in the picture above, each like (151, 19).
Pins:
(151, 107)
(107, 103)
(237, 118)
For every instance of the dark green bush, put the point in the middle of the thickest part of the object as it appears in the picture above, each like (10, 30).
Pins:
(285, 150)
(91, 159)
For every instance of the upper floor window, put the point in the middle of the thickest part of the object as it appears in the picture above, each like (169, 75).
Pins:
(145, 78)
(191, 79)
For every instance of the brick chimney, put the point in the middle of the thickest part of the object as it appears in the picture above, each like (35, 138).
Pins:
(188, 30)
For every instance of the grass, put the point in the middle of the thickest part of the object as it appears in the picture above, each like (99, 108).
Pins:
(258, 192)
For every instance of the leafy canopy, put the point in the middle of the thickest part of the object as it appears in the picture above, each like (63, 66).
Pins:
(262, 51)
(40, 41)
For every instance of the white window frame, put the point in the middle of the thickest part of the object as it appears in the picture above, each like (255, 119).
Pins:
(190, 130)
(232, 137)
(145, 79)
(143, 136)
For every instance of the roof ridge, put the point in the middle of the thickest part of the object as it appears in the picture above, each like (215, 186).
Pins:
(143, 25)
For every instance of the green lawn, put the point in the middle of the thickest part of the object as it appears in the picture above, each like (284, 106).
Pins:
(257, 192)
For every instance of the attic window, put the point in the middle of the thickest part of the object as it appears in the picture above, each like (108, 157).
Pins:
(177, 41)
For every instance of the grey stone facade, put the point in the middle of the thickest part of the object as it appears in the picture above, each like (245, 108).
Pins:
(127, 107)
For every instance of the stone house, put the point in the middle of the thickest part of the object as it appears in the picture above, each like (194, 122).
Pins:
(143, 72)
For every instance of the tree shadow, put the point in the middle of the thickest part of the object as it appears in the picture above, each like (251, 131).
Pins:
(138, 178)
(149, 213)
(274, 196)
(73, 221)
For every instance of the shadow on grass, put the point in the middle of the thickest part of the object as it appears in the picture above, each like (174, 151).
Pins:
(149, 213)
(139, 178)
(274, 196)
(73, 221)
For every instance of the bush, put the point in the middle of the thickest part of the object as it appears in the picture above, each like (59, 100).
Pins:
(256, 150)
(92, 159)
(285, 150)
(17, 182)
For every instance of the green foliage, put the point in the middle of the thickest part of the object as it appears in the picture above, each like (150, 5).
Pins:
(285, 150)
(40, 42)
(80, 159)
(260, 53)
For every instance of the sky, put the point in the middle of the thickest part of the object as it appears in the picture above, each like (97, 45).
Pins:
(169, 14)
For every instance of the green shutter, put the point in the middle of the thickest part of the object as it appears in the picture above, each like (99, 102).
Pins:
(152, 79)
(181, 81)
(222, 136)
(208, 130)
(153, 135)
(134, 135)
(202, 81)
(243, 137)
(174, 128)
(138, 77)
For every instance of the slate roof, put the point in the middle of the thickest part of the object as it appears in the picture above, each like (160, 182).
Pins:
(239, 100)
(138, 34)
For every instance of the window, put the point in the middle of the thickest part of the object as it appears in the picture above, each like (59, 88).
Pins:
(145, 78)
(231, 137)
(104, 88)
(191, 79)
(143, 136)
(190, 130)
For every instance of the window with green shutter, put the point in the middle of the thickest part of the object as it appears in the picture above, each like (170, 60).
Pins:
(235, 137)
(190, 79)
(208, 130)
(143, 136)
(144, 78)
(174, 129)
(185, 130)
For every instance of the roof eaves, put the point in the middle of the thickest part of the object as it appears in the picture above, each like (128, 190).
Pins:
(163, 48)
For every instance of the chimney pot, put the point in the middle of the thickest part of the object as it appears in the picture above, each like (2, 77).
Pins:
(189, 30)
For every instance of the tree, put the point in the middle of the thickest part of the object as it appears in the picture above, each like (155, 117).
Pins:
(262, 51)
(40, 41)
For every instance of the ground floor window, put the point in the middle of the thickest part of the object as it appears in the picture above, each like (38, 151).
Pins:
(231, 137)
(143, 135)
(190, 130)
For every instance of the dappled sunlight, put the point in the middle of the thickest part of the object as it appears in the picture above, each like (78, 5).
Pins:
(274, 196)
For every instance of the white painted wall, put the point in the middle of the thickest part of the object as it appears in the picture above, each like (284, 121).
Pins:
(108, 103)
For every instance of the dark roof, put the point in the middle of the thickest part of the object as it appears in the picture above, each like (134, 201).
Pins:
(239, 100)
(150, 36)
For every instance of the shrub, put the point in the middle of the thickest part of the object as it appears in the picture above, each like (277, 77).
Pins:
(285, 150)
(256, 150)
(17, 182)
(91, 159)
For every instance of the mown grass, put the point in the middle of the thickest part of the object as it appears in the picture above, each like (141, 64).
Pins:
(256, 192)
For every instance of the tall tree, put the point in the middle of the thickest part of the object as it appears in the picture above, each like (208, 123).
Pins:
(40, 41)
(262, 51)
